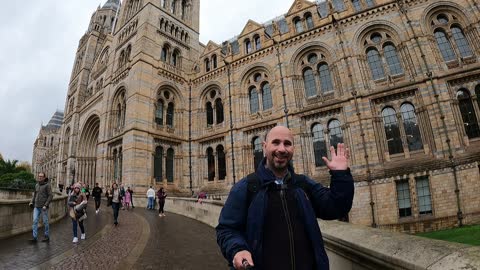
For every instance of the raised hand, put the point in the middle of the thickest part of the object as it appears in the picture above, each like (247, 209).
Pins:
(339, 158)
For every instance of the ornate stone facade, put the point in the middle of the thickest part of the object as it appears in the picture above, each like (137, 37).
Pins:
(396, 80)
(45, 148)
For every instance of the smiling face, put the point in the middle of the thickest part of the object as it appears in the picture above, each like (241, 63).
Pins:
(278, 149)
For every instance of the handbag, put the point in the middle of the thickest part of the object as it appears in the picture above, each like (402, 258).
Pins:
(71, 213)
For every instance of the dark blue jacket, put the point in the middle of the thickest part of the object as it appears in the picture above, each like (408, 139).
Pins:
(240, 226)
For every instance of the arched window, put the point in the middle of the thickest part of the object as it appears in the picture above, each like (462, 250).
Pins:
(184, 9)
(248, 46)
(45, 142)
(309, 83)
(370, 3)
(461, 42)
(392, 131)
(319, 145)
(258, 44)
(253, 100)
(266, 96)
(209, 114)
(169, 163)
(170, 114)
(298, 25)
(335, 131)
(163, 57)
(219, 110)
(392, 59)
(325, 78)
(412, 131)
(214, 61)
(468, 114)
(174, 6)
(210, 164)
(159, 112)
(207, 64)
(444, 45)
(174, 58)
(375, 63)
(257, 152)
(158, 164)
(119, 116)
(51, 142)
(309, 20)
(222, 165)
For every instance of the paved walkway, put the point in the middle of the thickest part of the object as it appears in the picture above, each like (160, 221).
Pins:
(142, 240)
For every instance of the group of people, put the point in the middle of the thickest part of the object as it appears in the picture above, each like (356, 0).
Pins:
(161, 195)
(269, 220)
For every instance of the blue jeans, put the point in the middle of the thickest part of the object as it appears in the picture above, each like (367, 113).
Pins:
(74, 224)
(36, 216)
(150, 203)
(115, 207)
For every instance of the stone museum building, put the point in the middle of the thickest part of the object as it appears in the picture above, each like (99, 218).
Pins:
(398, 81)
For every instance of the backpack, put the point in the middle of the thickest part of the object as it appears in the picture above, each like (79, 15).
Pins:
(253, 186)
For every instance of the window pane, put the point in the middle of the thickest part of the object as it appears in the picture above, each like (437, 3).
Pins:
(309, 83)
(403, 198)
(423, 193)
(159, 113)
(445, 47)
(375, 64)
(309, 20)
(357, 5)
(335, 131)
(248, 46)
(219, 110)
(266, 97)
(258, 45)
(170, 155)
(461, 42)
(319, 145)
(222, 170)
(412, 131)
(257, 152)
(207, 65)
(392, 60)
(298, 25)
(214, 61)
(170, 112)
(468, 114)
(210, 164)
(325, 78)
(392, 132)
(253, 100)
(158, 164)
(370, 3)
(209, 114)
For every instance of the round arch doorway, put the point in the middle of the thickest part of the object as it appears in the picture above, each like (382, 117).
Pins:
(87, 151)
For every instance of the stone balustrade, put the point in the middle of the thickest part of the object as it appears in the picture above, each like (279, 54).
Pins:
(16, 215)
(357, 247)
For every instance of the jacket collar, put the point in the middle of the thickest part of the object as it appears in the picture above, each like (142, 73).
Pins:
(266, 175)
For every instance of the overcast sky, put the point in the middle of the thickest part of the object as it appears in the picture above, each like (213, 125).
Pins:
(39, 40)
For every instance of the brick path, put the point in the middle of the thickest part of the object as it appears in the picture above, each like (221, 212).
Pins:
(142, 240)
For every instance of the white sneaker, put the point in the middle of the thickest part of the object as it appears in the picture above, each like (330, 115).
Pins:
(75, 240)
(96, 212)
(83, 236)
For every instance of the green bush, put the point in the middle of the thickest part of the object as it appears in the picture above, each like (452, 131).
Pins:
(18, 180)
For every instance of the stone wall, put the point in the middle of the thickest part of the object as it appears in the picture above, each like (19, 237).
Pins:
(359, 247)
(7, 194)
(16, 216)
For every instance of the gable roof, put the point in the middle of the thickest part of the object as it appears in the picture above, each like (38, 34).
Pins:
(250, 27)
(299, 5)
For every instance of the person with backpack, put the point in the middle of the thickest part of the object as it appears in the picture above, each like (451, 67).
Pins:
(269, 220)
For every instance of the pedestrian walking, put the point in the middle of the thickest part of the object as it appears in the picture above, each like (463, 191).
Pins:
(161, 194)
(128, 199)
(131, 196)
(150, 197)
(97, 196)
(77, 202)
(116, 201)
(109, 196)
(42, 196)
(269, 220)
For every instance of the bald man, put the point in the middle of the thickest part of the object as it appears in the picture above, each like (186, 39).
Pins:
(269, 220)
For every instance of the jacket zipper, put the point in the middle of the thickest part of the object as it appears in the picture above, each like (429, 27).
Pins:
(290, 229)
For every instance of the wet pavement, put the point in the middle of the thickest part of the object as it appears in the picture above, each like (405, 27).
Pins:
(142, 240)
